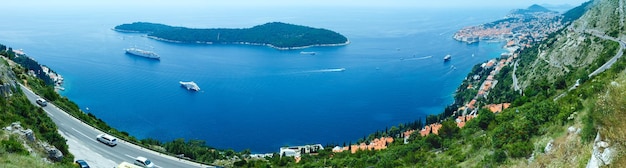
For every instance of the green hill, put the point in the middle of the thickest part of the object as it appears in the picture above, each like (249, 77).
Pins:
(275, 34)
(554, 122)
(531, 9)
(15, 107)
(565, 115)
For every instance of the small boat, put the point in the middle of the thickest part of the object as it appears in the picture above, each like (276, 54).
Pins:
(190, 85)
(447, 58)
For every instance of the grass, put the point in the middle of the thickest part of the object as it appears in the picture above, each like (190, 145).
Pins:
(610, 117)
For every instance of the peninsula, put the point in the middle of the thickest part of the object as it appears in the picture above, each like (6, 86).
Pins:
(282, 36)
(532, 24)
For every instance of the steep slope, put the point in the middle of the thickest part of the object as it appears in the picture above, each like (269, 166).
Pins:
(575, 52)
(28, 137)
(582, 71)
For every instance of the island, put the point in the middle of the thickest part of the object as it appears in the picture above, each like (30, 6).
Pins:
(282, 36)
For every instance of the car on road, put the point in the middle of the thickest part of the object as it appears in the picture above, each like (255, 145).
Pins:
(42, 102)
(107, 139)
(143, 162)
(81, 164)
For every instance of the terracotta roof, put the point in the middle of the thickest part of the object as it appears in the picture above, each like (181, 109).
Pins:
(471, 104)
(376, 144)
(498, 107)
(407, 133)
(460, 124)
(510, 43)
(435, 128)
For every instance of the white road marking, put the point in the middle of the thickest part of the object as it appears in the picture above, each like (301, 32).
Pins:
(84, 135)
(47, 112)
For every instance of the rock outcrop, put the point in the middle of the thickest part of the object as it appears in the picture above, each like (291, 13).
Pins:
(28, 137)
(602, 153)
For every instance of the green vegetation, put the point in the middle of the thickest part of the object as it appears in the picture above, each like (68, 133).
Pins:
(576, 12)
(17, 108)
(509, 138)
(275, 34)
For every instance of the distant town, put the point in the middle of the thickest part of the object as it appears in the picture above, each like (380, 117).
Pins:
(522, 26)
(518, 30)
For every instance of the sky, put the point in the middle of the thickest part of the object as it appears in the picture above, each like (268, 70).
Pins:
(287, 3)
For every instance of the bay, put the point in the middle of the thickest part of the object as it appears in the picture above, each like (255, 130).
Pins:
(255, 97)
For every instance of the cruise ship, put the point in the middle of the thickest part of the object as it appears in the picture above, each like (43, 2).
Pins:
(142, 53)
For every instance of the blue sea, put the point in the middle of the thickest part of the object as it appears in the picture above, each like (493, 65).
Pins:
(256, 97)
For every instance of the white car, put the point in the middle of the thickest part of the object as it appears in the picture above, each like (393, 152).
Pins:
(107, 139)
(42, 102)
(143, 162)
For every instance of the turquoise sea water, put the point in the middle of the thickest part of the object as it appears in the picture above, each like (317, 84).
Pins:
(253, 96)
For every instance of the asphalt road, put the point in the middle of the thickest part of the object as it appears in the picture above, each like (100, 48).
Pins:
(618, 55)
(86, 134)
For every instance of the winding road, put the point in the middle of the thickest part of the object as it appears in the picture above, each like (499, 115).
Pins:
(83, 144)
(618, 55)
(605, 66)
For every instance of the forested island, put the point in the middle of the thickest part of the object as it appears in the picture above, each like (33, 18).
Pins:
(277, 35)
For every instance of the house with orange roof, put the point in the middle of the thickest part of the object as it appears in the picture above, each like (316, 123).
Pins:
(471, 104)
(296, 151)
(435, 128)
(462, 120)
(407, 135)
(460, 124)
(487, 86)
(510, 43)
(495, 108)
(375, 144)
(490, 64)
(425, 131)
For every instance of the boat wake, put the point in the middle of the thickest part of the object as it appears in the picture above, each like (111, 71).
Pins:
(321, 71)
(420, 58)
(326, 70)
(450, 70)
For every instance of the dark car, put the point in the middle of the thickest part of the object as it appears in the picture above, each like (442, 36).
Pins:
(82, 164)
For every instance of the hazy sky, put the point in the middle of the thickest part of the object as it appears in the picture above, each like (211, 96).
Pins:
(286, 3)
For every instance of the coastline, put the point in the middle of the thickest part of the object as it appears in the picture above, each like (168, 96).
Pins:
(254, 44)
(241, 43)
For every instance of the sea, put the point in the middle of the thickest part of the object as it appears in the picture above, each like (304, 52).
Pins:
(256, 97)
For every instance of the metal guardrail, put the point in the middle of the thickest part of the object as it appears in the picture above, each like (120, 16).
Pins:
(141, 146)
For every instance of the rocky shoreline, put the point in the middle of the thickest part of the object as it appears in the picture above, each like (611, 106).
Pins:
(248, 43)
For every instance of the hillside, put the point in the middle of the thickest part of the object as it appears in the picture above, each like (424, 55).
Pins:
(276, 34)
(565, 110)
(568, 113)
(29, 138)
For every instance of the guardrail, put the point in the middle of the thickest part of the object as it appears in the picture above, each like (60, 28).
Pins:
(123, 137)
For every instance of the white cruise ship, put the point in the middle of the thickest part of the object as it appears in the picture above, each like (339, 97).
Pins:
(142, 53)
